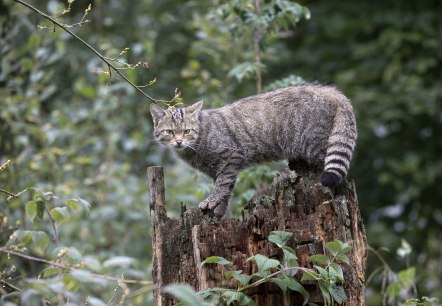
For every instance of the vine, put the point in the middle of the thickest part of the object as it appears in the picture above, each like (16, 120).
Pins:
(286, 274)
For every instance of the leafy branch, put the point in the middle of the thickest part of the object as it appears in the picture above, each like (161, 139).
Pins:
(10, 194)
(108, 61)
(70, 268)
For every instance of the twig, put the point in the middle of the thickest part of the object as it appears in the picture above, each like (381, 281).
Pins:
(59, 265)
(108, 63)
(9, 193)
(55, 239)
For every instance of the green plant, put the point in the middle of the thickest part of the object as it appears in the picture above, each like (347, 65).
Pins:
(327, 273)
(62, 273)
(396, 287)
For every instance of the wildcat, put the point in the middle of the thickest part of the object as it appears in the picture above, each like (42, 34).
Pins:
(310, 123)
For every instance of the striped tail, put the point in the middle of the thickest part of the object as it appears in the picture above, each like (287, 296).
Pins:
(341, 144)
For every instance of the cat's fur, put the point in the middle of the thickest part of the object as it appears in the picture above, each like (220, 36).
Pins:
(313, 123)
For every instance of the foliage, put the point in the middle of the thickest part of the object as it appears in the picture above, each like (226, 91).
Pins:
(398, 287)
(66, 274)
(328, 274)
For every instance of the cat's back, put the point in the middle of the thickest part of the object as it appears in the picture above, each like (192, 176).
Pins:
(308, 97)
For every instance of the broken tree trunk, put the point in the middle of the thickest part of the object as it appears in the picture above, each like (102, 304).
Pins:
(294, 203)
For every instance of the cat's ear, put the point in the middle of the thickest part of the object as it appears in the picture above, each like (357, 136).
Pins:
(195, 107)
(156, 112)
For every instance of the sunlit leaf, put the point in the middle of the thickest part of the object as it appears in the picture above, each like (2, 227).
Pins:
(320, 258)
(118, 261)
(264, 263)
(218, 260)
(60, 214)
(31, 210)
(185, 294)
(280, 238)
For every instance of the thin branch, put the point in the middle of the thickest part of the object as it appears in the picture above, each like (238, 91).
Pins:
(62, 266)
(55, 239)
(9, 193)
(62, 26)
(265, 279)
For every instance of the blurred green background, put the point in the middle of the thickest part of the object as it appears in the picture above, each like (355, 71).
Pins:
(70, 130)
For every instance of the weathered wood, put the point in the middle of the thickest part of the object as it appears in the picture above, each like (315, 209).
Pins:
(292, 203)
(155, 179)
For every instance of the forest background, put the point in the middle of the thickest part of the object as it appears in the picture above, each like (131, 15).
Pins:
(79, 141)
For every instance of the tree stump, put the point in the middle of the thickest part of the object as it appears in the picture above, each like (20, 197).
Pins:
(294, 203)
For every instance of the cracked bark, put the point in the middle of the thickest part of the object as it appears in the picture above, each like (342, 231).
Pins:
(294, 202)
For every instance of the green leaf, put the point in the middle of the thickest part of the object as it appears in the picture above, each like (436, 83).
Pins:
(229, 274)
(118, 261)
(31, 210)
(338, 294)
(264, 263)
(41, 206)
(72, 204)
(325, 290)
(280, 238)
(322, 272)
(93, 301)
(337, 247)
(40, 240)
(343, 258)
(70, 283)
(218, 260)
(310, 275)
(49, 272)
(320, 258)
(296, 286)
(84, 204)
(78, 205)
(393, 290)
(233, 296)
(59, 214)
(243, 278)
(245, 70)
(335, 271)
(260, 274)
(345, 247)
(334, 247)
(83, 276)
(24, 237)
(236, 296)
(289, 253)
(211, 296)
(281, 282)
(407, 276)
(185, 294)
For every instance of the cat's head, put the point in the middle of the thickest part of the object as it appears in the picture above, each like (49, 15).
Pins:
(176, 128)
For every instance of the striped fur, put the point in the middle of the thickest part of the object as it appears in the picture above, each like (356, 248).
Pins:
(313, 123)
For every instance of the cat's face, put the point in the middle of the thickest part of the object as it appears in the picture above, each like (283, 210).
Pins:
(176, 128)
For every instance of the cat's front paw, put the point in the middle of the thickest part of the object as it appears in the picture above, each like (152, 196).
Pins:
(210, 204)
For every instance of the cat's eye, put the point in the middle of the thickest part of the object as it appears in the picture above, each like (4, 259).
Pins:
(186, 131)
(170, 132)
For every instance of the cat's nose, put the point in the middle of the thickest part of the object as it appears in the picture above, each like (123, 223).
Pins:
(179, 142)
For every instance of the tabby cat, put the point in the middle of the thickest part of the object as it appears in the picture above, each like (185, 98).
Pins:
(310, 123)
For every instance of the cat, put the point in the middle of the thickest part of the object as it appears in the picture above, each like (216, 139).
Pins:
(311, 123)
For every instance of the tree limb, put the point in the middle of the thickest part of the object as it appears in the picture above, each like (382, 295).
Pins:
(62, 266)
(103, 58)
